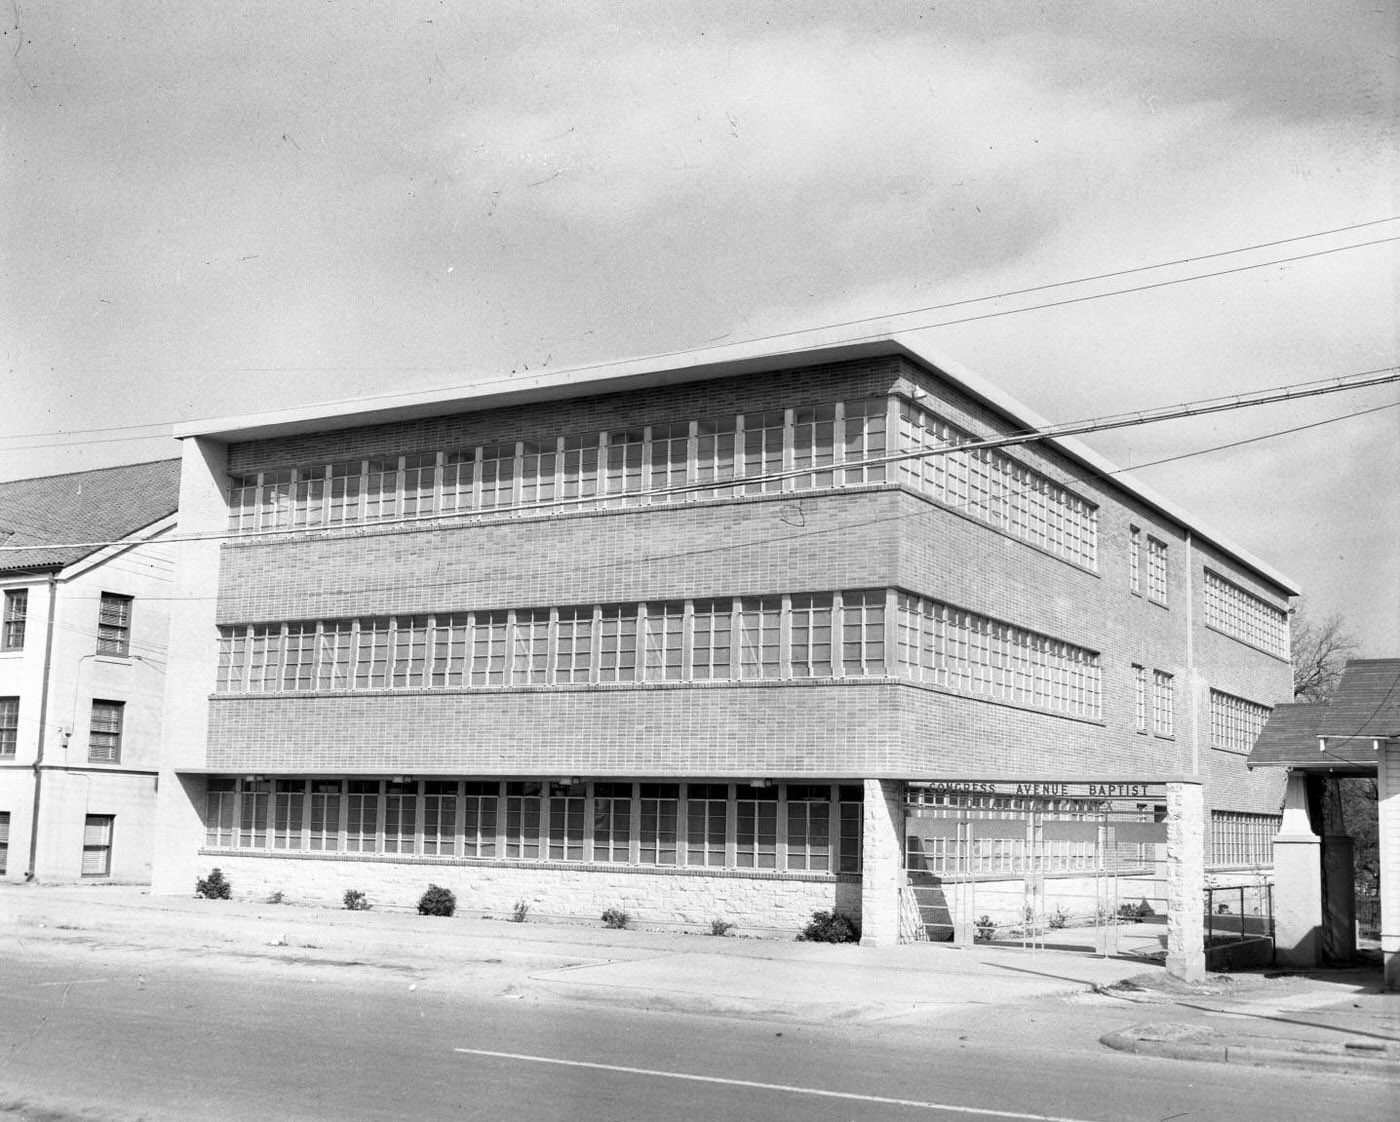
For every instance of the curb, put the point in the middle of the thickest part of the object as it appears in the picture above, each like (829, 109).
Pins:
(1188, 1042)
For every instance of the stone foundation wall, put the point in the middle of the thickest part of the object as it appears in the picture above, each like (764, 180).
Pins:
(686, 898)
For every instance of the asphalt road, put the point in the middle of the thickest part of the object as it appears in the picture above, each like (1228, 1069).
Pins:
(94, 1034)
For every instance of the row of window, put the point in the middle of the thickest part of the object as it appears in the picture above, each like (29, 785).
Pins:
(809, 827)
(782, 637)
(1235, 724)
(816, 446)
(97, 844)
(1163, 699)
(104, 731)
(1241, 838)
(1241, 614)
(1156, 582)
(113, 622)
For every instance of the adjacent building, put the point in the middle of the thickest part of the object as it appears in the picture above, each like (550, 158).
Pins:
(85, 580)
(683, 637)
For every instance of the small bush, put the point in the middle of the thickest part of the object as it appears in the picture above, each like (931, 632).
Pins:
(356, 901)
(213, 887)
(1134, 912)
(617, 918)
(830, 927)
(720, 927)
(520, 911)
(1059, 918)
(986, 929)
(437, 901)
(278, 897)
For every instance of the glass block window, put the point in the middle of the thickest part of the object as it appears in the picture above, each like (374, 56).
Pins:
(1241, 614)
(1235, 724)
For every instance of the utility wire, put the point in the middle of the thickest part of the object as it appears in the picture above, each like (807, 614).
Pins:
(806, 330)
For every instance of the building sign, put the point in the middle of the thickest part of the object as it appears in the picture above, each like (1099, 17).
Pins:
(1058, 790)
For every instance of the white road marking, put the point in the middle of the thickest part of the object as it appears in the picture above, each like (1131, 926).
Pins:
(883, 1100)
(74, 982)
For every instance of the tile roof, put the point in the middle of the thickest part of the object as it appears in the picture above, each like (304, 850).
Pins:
(83, 506)
(1365, 706)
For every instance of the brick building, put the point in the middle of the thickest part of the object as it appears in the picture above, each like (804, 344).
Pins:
(673, 636)
(83, 669)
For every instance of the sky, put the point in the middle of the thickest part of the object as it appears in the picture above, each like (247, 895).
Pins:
(209, 210)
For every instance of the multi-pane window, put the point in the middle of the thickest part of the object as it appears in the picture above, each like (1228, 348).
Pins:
(756, 827)
(97, 845)
(763, 449)
(325, 831)
(299, 656)
(612, 822)
(524, 809)
(851, 809)
(362, 816)
(656, 842)
(710, 645)
(1240, 838)
(1241, 614)
(254, 798)
(114, 624)
(1235, 724)
(288, 813)
(372, 653)
(490, 632)
(220, 802)
(410, 669)
(665, 633)
(971, 653)
(573, 659)
(9, 726)
(1156, 570)
(622, 473)
(105, 732)
(1139, 697)
(4, 840)
(439, 818)
(566, 808)
(863, 633)
(707, 817)
(991, 486)
(480, 802)
(419, 483)
(1134, 559)
(581, 461)
(400, 815)
(814, 445)
(811, 636)
(496, 475)
(335, 655)
(617, 643)
(865, 426)
(809, 827)
(530, 661)
(1163, 703)
(670, 456)
(715, 442)
(537, 472)
(760, 636)
(16, 614)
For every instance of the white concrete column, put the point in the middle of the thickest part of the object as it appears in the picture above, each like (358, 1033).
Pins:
(194, 655)
(1297, 880)
(1388, 844)
(1186, 882)
(882, 862)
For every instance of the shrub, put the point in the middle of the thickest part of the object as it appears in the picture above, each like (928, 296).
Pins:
(720, 927)
(830, 927)
(356, 901)
(986, 929)
(213, 887)
(616, 917)
(437, 901)
(1059, 918)
(520, 911)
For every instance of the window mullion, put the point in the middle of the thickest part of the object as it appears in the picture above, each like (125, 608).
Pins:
(789, 483)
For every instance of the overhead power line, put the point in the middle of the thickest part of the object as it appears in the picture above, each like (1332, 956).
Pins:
(1380, 376)
(795, 332)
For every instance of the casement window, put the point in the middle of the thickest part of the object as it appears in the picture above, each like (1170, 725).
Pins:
(665, 636)
(1245, 616)
(400, 816)
(581, 466)
(309, 496)
(345, 485)
(814, 445)
(220, 804)
(114, 624)
(299, 656)
(105, 732)
(991, 486)
(851, 811)
(16, 614)
(232, 674)
(459, 482)
(811, 636)
(670, 456)
(712, 625)
(490, 631)
(410, 653)
(4, 841)
(573, 660)
(524, 816)
(288, 813)
(325, 833)
(974, 654)
(1163, 703)
(566, 809)
(1239, 838)
(496, 472)
(372, 649)
(756, 827)
(381, 489)
(480, 802)
(253, 806)
(538, 471)
(863, 633)
(530, 662)
(763, 449)
(809, 827)
(440, 818)
(865, 428)
(1134, 559)
(335, 655)
(716, 439)
(617, 643)
(362, 816)
(9, 727)
(760, 636)
(97, 845)
(264, 658)
(419, 486)
(624, 453)
(656, 842)
(1235, 724)
(1139, 697)
(706, 823)
(612, 822)
(1156, 570)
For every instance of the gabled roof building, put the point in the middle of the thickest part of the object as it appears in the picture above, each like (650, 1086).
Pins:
(85, 575)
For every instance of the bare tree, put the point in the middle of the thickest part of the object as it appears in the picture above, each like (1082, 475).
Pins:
(1320, 651)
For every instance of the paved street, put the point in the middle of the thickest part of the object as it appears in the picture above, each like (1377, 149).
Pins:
(111, 1027)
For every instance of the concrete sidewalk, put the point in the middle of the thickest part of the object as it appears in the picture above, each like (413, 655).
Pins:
(1333, 1020)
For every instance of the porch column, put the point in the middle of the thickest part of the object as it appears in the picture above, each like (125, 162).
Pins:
(1297, 880)
(882, 862)
(1186, 882)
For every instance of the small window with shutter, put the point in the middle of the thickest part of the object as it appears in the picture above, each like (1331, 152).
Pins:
(97, 845)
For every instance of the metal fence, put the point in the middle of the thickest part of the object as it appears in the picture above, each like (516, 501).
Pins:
(1239, 913)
